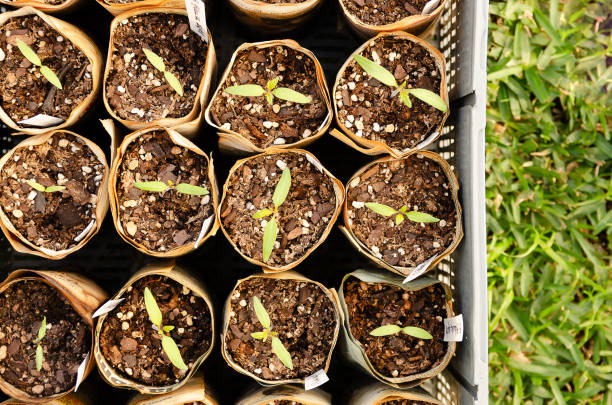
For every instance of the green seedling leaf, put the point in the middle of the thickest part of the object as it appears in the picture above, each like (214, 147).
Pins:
(155, 186)
(261, 313)
(416, 332)
(399, 218)
(405, 98)
(376, 71)
(174, 83)
(155, 314)
(270, 233)
(263, 213)
(156, 61)
(39, 357)
(50, 76)
(272, 83)
(386, 330)
(28, 53)
(42, 330)
(191, 190)
(168, 328)
(282, 188)
(246, 90)
(281, 352)
(258, 335)
(291, 95)
(35, 185)
(173, 352)
(53, 189)
(381, 209)
(416, 216)
(430, 98)
(269, 98)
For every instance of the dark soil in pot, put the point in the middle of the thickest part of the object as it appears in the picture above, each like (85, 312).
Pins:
(133, 348)
(65, 345)
(254, 118)
(52, 220)
(135, 89)
(371, 305)
(302, 219)
(302, 315)
(421, 185)
(25, 91)
(162, 221)
(365, 105)
(376, 12)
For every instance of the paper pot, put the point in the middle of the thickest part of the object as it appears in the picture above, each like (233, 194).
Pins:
(188, 125)
(371, 147)
(267, 395)
(414, 24)
(19, 241)
(80, 41)
(288, 275)
(234, 143)
(193, 390)
(268, 17)
(430, 264)
(355, 352)
(178, 139)
(74, 398)
(338, 189)
(171, 270)
(64, 7)
(84, 296)
(378, 394)
(118, 8)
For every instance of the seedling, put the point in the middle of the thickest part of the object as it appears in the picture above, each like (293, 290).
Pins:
(31, 56)
(168, 344)
(277, 346)
(384, 76)
(160, 187)
(271, 230)
(414, 216)
(158, 63)
(40, 187)
(388, 330)
(42, 330)
(271, 91)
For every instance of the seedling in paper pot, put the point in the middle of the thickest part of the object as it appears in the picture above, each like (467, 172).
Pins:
(277, 346)
(403, 213)
(160, 187)
(388, 330)
(33, 58)
(168, 344)
(158, 63)
(42, 330)
(271, 91)
(40, 187)
(271, 230)
(384, 76)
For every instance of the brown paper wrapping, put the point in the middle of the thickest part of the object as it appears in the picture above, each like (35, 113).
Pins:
(234, 143)
(116, 9)
(74, 398)
(378, 394)
(194, 390)
(189, 124)
(171, 270)
(354, 351)
(266, 396)
(268, 17)
(79, 40)
(371, 147)
(288, 275)
(64, 7)
(178, 139)
(338, 189)
(84, 296)
(20, 242)
(366, 251)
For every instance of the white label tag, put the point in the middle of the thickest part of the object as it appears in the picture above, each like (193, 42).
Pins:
(81, 372)
(85, 231)
(197, 18)
(430, 6)
(453, 329)
(205, 226)
(420, 269)
(42, 120)
(107, 307)
(315, 380)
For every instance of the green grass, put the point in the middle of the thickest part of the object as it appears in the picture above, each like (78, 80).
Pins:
(549, 202)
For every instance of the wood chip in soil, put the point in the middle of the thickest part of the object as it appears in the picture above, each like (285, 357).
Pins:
(377, 12)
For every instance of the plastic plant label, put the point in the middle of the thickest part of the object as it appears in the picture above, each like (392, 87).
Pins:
(430, 6)
(42, 121)
(107, 307)
(453, 329)
(205, 227)
(315, 380)
(197, 18)
(420, 269)
(85, 231)
(81, 372)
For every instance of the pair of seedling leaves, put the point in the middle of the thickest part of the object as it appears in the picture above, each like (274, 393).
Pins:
(277, 346)
(160, 187)
(33, 58)
(271, 91)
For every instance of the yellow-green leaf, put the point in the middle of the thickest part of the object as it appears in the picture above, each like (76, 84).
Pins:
(155, 186)
(258, 335)
(281, 352)
(156, 61)
(417, 332)
(399, 218)
(174, 83)
(405, 98)
(28, 53)
(42, 330)
(53, 189)
(282, 188)
(376, 71)
(272, 83)
(168, 328)
(261, 313)
(173, 352)
(269, 98)
(430, 98)
(36, 185)
(381, 209)
(385, 330)
(51, 77)
(39, 357)
(291, 95)
(155, 314)
(190, 189)
(246, 90)
(269, 237)
(416, 216)
(262, 213)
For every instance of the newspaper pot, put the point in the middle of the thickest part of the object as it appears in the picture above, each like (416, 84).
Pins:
(355, 350)
(80, 293)
(317, 321)
(274, 17)
(125, 206)
(64, 7)
(289, 393)
(72, 74)
(376, 131)
(187, 124)
(166, 281)
(241, 140)
(193, 391)
(18, 233)
(116, 8)
(380, 394)
(301, 227)
(74, 398)
(369, 181)
(415, 23)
